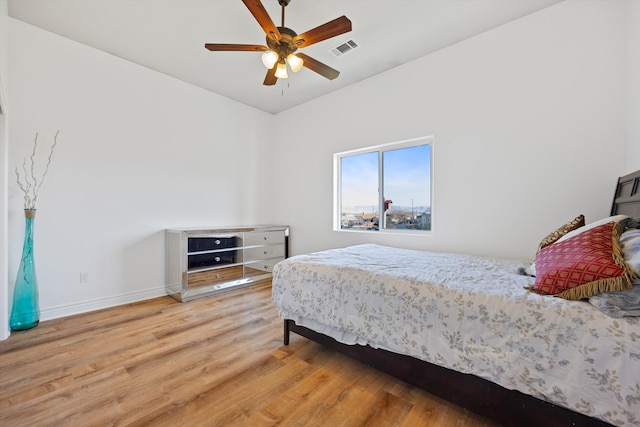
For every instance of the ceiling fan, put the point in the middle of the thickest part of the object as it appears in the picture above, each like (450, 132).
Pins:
(282, 42)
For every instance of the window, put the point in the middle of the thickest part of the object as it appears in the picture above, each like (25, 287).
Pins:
(387, 187)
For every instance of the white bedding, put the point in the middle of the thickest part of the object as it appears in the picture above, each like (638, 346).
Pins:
(472, 315)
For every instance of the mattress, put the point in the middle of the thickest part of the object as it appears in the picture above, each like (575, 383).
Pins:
(470, 314)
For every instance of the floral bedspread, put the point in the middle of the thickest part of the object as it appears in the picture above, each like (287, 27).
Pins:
(470, 314)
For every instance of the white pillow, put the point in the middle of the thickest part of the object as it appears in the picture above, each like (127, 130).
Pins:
(531, 270)
(615, 218)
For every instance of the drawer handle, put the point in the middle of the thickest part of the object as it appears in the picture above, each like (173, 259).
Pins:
(266, 267)
(266, 252)
(265, 237)
(217, 242)
(217, 259)
(217, 275)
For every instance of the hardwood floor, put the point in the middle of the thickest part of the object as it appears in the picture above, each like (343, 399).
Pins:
(217, 361)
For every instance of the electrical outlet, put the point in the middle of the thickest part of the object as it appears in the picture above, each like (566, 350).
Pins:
(84, 277)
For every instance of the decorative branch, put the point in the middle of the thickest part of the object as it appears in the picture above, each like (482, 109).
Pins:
(29, 183)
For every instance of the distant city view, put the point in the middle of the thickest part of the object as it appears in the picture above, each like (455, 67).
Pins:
(397, 217)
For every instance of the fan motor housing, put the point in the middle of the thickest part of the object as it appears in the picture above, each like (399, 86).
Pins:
(285, 45)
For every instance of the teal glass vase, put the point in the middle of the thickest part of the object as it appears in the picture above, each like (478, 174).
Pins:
(25, 310)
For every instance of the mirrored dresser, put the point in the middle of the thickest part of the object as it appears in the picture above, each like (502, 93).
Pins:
(205, 261)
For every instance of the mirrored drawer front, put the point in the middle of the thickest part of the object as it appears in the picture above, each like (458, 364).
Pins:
(210, 277)
(260, 267)
(212, 259)
(263, 238)
(199, 244)
(264, 252)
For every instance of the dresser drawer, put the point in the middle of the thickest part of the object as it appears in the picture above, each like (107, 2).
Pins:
(212, 259)
(263, 252)
(263, 238)
(199, 244)
(212, 277)
(260, 267)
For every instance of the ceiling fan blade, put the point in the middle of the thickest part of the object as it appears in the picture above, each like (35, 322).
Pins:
(270, 79)
(235, 47)
(325, 31)
(318, 67)
(260, 13)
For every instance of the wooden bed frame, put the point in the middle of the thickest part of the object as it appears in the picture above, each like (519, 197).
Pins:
(507, 407)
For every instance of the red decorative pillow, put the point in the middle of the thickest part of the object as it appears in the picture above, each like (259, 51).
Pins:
(584, 265)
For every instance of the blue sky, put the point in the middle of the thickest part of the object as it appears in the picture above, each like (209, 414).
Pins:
(407, 173)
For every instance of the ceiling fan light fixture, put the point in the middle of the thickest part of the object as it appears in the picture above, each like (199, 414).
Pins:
(282, 42)
(269, 59)
(281, 71)
(295, 62)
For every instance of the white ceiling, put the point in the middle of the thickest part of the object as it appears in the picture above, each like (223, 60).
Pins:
(169, 36)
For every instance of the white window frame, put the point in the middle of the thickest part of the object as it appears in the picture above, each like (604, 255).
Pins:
(337, 184)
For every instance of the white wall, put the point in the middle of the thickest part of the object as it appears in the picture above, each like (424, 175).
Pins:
(529, 124)
(4, 151)
(138, 152)
(633, 85)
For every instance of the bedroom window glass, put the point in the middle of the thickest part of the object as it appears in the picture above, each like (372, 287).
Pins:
(386, 187)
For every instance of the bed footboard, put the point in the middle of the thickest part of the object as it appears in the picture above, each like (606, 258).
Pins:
(508, 407)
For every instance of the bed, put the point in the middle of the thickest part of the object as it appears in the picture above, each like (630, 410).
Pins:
(471, 330)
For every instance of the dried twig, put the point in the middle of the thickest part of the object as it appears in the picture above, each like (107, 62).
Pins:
(29, 184)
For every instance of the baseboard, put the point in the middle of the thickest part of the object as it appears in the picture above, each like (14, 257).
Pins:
(97, 304)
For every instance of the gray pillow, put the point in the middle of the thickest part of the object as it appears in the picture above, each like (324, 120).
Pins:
(618, 304)
(630, 243)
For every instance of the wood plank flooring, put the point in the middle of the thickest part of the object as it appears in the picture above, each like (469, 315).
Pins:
(217, 361)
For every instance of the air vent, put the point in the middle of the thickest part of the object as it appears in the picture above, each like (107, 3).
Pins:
(344, 48)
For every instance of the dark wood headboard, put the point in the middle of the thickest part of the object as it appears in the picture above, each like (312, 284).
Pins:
(626, 199)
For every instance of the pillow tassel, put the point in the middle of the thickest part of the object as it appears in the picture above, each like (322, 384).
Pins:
(610, 284)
